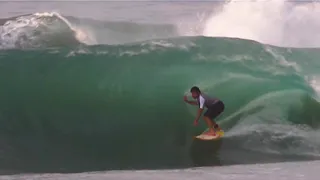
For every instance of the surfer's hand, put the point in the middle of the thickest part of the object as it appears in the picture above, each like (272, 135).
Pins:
(185, 98)
(195, 122)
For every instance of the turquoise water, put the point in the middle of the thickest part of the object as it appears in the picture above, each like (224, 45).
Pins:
(120, 106)
(71, 101)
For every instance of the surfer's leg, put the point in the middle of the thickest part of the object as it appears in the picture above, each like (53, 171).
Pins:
(215, 125)
(211, 114)
(210, 124)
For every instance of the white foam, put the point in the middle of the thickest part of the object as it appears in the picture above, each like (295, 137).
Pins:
(282, 60)
(315, 83)
(280, 171)
(82, 34)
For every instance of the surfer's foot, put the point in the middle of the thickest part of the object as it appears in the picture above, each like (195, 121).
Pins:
(217, 127)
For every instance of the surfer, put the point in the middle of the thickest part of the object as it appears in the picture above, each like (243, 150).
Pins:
(214, 108)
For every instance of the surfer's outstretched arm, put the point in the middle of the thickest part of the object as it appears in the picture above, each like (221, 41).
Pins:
(189, 102)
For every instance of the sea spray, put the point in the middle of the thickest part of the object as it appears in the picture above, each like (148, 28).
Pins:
(276, 22)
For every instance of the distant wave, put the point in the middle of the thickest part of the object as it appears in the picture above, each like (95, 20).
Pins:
(39, 30)
(42, 30)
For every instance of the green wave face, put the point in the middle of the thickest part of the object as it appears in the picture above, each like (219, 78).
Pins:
(121, 107)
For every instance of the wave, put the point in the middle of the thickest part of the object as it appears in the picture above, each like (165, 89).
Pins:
(37, 31)
(120, 106)
(51, 29)
(273, 22)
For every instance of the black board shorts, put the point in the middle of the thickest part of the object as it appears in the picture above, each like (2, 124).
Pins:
(214, 110)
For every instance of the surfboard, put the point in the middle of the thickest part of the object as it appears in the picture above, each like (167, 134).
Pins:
(203, 136)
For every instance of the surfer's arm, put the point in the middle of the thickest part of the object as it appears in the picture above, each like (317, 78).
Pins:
(200, 110)
(190, 102)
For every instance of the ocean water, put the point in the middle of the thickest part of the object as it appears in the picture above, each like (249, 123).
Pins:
(97, 88)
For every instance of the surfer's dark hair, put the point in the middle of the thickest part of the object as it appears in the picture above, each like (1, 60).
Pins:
(195, 89)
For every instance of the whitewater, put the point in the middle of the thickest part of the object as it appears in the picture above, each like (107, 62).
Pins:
(84, 85)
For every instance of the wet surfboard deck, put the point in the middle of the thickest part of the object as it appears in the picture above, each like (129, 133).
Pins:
(203, 136)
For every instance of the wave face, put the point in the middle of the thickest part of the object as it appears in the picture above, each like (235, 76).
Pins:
(120, 106)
